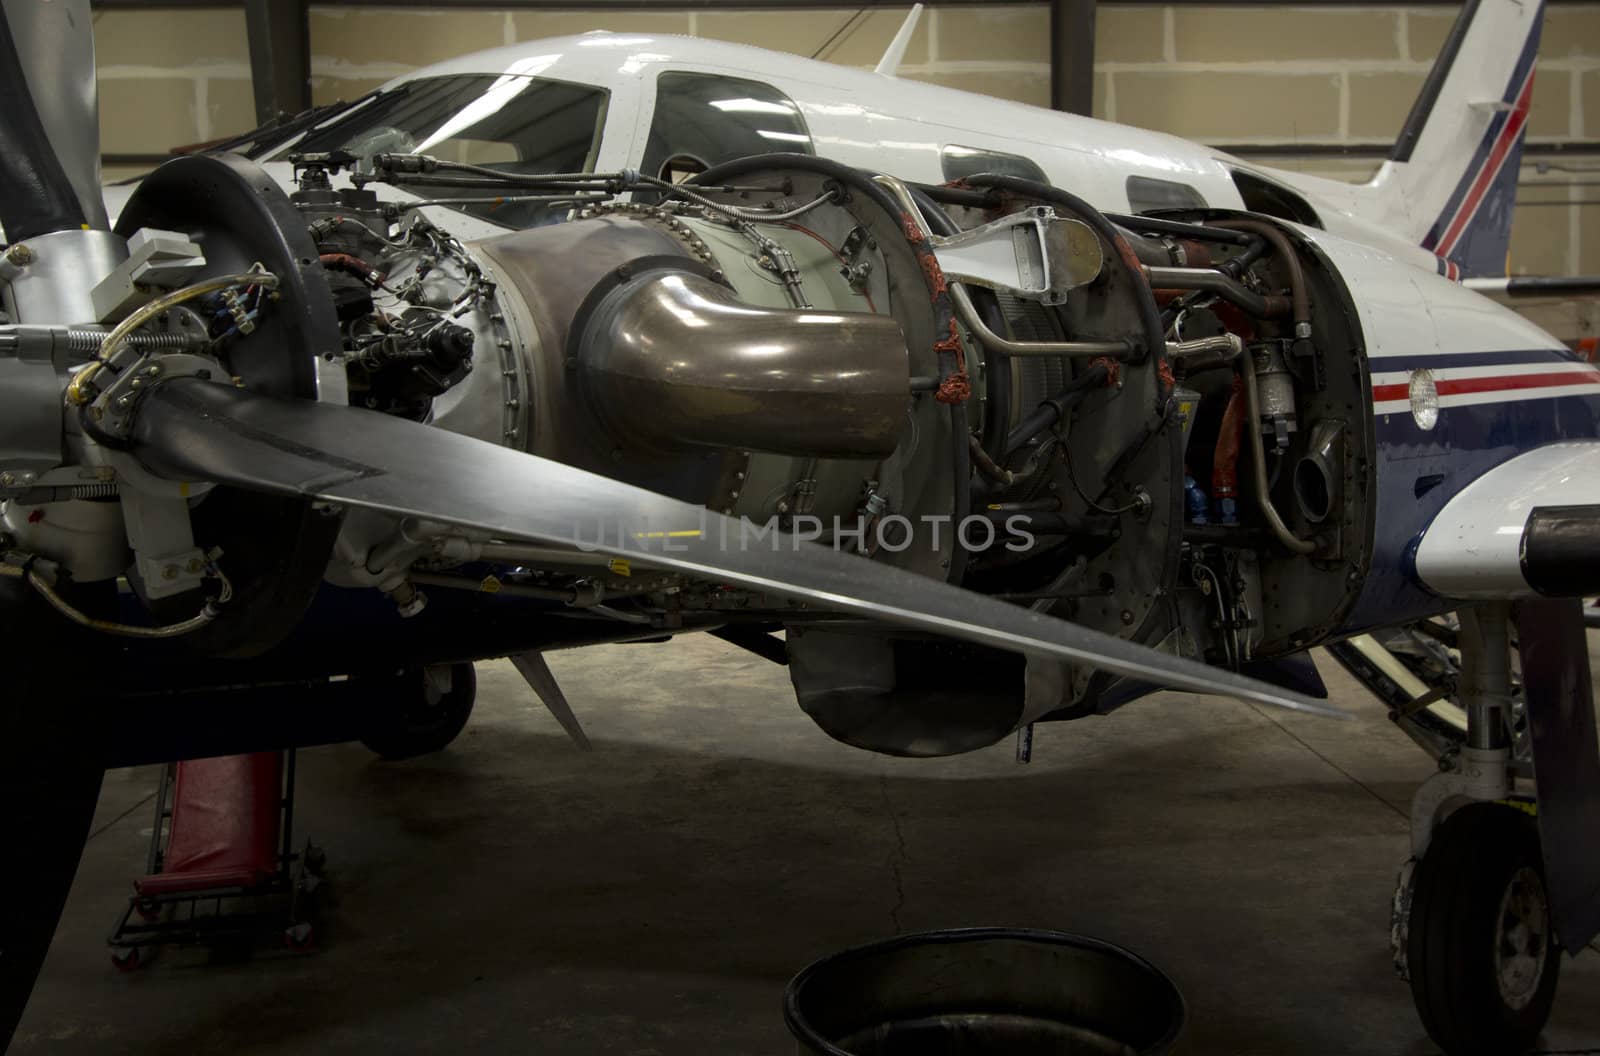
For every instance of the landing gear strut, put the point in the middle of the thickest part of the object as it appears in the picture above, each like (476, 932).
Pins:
(1474, 928)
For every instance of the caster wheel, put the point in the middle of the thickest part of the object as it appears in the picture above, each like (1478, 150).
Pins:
(1480, 948)
(125, 958)
(431, 717)
(298, 936)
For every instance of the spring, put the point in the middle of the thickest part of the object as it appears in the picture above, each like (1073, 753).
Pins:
(85, 342)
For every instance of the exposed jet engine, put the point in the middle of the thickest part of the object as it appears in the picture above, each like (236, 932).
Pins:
(1145, 440)
(990, 384)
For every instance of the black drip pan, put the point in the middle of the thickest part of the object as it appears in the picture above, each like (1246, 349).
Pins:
(984, 992)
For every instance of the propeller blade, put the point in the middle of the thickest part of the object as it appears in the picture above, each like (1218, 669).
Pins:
(196, 430)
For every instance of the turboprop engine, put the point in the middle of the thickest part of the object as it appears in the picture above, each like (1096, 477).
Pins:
(636, 417)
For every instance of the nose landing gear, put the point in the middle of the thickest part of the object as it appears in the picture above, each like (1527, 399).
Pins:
(1477, 907)
(1480, 949)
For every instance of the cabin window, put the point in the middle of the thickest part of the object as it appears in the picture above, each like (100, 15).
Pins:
(961, 162)
(1265, 196)
(515, 124)
(705, 119)
(1147, 194)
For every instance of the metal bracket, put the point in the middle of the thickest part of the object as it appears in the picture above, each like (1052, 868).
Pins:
(1033, 253)
(1478, 775)
(162, 539)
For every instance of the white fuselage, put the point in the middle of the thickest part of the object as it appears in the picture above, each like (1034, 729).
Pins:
(903, 127)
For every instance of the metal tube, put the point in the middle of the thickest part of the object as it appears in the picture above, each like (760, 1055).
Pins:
(1055, 408)
(1485, 675)
(1216, 282)
(1229, 345)
(1259, 457)
(1175, 227)
(547, 555)
(1297, 275)
(967, 312)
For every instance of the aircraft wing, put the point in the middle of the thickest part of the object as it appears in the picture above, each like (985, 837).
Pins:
(1528, 528)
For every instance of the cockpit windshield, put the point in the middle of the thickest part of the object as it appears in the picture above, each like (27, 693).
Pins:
(507, 122)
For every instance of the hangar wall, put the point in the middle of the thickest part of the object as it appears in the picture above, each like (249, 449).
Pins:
(1261, 76)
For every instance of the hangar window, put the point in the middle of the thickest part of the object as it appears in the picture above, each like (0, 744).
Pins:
(704, 119)
(515, 124)
(960, 162)
(1147, 194)
(1266, 196)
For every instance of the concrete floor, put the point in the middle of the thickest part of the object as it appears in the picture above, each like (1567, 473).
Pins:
(514, 895)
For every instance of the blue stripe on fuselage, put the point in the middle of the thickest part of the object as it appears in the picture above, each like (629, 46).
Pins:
(1419, 471)
(1446, 360)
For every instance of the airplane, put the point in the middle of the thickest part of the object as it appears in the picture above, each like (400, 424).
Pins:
(1001, 418)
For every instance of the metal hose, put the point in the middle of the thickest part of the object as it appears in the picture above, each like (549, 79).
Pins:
(1259, 456)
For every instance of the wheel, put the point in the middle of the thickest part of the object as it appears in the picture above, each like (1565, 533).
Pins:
(1481, 951)
(298, 936)
(126, 958)
(431, 718)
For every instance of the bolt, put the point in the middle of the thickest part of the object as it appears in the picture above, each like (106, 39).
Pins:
(152, 371)
(8, 480)
(1127, 615)
(194, 566)
(19, 255)
(124, 402)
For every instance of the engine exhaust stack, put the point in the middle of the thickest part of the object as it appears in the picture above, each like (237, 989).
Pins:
(671, 360)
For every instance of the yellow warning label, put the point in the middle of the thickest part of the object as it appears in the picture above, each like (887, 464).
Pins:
(620, 566)
(490, 584)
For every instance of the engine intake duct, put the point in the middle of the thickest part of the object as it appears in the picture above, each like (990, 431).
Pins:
(669, 360)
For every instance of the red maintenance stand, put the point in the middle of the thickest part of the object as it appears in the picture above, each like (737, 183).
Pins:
(221, 862)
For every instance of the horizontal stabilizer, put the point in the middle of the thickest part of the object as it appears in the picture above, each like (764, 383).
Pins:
(195, 430)
(1524, 288)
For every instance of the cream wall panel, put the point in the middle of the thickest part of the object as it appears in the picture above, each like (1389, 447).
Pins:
(1129, 34)
(1254, 34)
(532, 25)
(1588, 239)
(992, 34)
(1589, 100)
(1379, 103)
(1571, 32)
(1551, 114)
(368, 36)
(1229, 107)
(171, 39)
(1539, 239)
(152, 117)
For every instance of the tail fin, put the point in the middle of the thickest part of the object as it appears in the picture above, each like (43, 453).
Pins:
(1451, 179)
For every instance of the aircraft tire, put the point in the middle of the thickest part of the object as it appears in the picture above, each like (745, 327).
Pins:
(1481, 949)
(428, 725)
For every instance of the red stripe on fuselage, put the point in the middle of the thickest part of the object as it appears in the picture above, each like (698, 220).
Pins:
(1490, 170)
(1502, 383)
